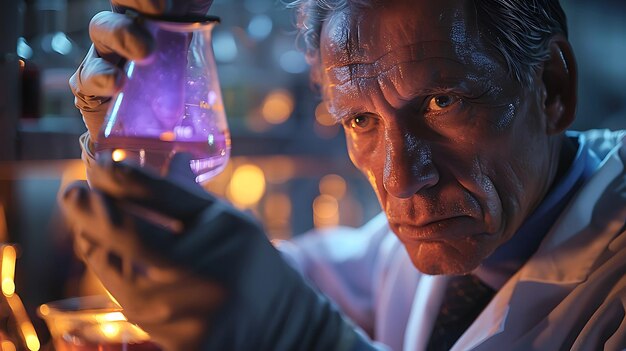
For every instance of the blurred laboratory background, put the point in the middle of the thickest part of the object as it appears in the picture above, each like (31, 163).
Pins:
(289, 166)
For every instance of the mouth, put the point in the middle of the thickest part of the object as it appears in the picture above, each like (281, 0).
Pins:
(452, 228)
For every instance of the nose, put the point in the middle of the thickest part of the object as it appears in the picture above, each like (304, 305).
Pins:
(409, 166)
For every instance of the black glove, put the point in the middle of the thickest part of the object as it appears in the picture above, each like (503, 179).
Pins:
(193, 271)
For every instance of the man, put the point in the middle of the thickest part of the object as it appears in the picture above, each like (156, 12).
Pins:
(456, 112)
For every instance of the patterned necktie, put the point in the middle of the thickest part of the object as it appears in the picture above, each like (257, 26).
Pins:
(465, 297)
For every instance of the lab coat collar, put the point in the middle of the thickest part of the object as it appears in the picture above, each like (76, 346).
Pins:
(428, 298)
(577, 238)
(563, 260)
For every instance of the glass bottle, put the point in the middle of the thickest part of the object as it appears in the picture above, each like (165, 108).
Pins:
(170, 102)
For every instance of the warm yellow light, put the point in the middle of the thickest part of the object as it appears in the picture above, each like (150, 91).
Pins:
(44, 310)
(7, 345)
(110, 330)
(333, 185)
(111, 317)
(247, 185)
(167, 136)
(27, 330)
(32, 342)
(325, 211)
(8, 287)
(325, 206)
(8, 270)
(139, 333)
(277, 106)
(323, 117)
(118, 155)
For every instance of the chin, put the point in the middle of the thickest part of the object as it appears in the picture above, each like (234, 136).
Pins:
(438, 258)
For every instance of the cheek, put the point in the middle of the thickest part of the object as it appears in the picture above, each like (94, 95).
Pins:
(368, 159)
(486, 160)
(510, 169)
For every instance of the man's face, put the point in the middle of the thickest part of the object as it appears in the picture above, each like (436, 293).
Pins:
(455, 149)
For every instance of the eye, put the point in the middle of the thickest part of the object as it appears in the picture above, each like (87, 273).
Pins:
(441, 102)
(361, 122)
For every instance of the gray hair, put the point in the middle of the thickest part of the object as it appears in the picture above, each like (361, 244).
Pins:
(520, 30)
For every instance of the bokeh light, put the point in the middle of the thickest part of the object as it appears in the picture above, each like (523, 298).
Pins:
(247, 186)
(118, 155)
(293, 61)
(325, 211)
(7, 345)
(322, 116)
(224, 46)
(260, 27)
(61, 44)
(23, 49)
(333, 185)
(277, 106)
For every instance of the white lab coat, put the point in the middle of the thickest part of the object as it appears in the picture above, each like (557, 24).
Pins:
(571, 294)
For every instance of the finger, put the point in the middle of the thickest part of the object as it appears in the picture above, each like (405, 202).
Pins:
(103, 222)
(115, 35)
(136, 256)
(220, 236)
(179, 169)
(83, 246)
(148, 7)
(183, 334)
(192, 307)
(185, 296)
(176, 313)
(131, 233)
(130, 183)
(109, 276)
(163, 7)
(95, 77)
(93, 84)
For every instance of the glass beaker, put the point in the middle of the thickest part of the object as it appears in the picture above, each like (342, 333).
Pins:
(92, 323)
(170, 102)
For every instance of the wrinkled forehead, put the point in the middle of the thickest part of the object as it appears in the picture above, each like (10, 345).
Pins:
(364, 35)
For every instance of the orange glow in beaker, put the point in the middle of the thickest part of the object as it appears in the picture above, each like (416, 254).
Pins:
(118, 155)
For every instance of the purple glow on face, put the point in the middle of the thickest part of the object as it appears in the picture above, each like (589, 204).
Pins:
(171, 102)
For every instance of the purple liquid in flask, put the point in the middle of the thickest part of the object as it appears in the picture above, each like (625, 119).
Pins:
(170, 103)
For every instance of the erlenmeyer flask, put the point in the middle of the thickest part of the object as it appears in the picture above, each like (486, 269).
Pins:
(171, 102)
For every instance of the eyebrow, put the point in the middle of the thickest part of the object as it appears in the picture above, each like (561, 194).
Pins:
(452, 84)
(361, 67)
(342, 113)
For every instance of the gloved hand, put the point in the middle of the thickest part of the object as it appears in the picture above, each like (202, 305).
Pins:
(117, 38)
(191, 270)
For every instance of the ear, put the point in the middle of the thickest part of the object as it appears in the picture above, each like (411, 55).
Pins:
(560, 80)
